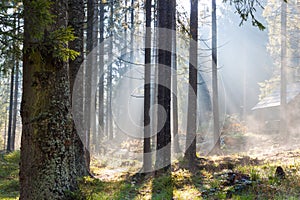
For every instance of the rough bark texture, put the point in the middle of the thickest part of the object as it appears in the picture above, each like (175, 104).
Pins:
(190, 153)
(47, 169)
(163, 158)
(76, 20)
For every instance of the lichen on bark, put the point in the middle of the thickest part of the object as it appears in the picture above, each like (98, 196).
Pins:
(47, 168)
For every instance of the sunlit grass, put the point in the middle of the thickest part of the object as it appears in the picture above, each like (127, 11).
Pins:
(9, 175)
(208, 182)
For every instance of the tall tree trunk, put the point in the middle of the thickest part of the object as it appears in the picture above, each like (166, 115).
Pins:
(101, 76)
(10, 138)
(132, 32)
(15, 107)
(47, 169)
(92, 25)
(109, 77)
(94, 75)
(155, 80)
(176, 147)
(190, 153)
(283, 107)
(215, 78)
(147, 92)
(76, 20)
(16, 91)
(163, 157)
(10, 112)
(5, 131)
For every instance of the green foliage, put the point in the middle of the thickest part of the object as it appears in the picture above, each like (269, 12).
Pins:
(162, 187)
(55, 42)
(60, 39)
(10, 33)
(246, 9)
(40, 17)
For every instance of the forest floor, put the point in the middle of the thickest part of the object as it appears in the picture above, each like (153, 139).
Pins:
(245, 168)
(216, 177)
(247, 171)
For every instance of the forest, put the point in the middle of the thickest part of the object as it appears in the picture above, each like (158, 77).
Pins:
(149, 99)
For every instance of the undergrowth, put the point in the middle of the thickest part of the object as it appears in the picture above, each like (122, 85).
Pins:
(234, 177)
(9, 175)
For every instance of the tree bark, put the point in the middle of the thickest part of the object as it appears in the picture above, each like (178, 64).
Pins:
(163, 157)
(176, 147)
(10, 112)
(101, 76)
(109, 78)
(16, 92)
(47, 169)
(15, 107)
(190, 153)
(215, 78)
(76, 20)
(147, 92)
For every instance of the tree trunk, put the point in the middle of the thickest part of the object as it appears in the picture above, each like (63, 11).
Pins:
(109, 78)
(16, 91)
(147, 92)
(176, 147)
(76, 20)
(94, 70)
(15, 107)
(47, 169)
(283, 107)
(163, 157)
(190, 153)
(10, 112)
(101, 76)
(215, 78)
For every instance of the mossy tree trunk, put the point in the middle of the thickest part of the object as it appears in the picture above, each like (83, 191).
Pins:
(47, 168)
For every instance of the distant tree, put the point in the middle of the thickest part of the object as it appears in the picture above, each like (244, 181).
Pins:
(14, 57)
(9, 147)
(89, 71)
(101, 74)
(190, 153)
(176, 147)
(109, 120)
(215, 77)
(15, 105)
(47, 168)
(283, 81)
